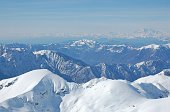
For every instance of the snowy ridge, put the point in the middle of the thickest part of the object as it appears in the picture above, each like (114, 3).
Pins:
(152, 46)
(160, 80)
(89, 43)
(42, 52)
(22, 84)
(111, 53)
(43, 91)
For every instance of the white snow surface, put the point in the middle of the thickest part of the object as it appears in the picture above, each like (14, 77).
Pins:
(42, 91)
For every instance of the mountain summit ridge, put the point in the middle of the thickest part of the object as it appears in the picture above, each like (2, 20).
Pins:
(41, 90)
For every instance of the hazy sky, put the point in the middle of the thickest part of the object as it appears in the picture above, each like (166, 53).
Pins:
(19, 18)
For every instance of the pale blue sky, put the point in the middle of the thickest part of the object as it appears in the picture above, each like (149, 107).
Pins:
(19, 18)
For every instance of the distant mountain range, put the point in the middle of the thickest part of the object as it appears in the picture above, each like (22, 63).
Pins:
(92, 52)
(138, 38)
(85, 76)
(82, 60)
(143, 33)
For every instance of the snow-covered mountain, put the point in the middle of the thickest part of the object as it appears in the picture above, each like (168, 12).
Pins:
(85, 76)
(43, 91)
(14, 62)
(130, 72)
(18, 59)
(84, 42)
(145, 33)
(92, 52)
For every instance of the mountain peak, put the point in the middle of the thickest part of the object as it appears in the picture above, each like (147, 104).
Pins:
(146, 32)
(28, 81)
(143, 33)
(83, 42)
(151, 46)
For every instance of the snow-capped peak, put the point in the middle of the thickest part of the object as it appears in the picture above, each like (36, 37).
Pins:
(82, 42)
(151, 46)
(42, 52)
(13, 87)
(145, 32)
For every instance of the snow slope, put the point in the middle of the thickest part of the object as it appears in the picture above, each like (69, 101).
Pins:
(42, 91)
(103, 96)
(38, 90)
(157, 85)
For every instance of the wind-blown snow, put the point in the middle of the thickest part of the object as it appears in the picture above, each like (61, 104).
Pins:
(43, 91)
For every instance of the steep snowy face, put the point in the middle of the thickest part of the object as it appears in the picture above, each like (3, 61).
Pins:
(27, 82)
(38, 90)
